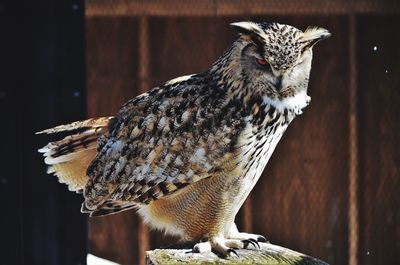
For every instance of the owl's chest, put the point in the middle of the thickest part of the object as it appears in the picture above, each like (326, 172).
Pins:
(258, 150)
(257, 144)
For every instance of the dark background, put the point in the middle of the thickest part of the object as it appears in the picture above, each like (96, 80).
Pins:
(330, 190)
(42, 83)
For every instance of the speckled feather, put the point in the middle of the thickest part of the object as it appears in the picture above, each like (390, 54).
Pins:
(166, 139)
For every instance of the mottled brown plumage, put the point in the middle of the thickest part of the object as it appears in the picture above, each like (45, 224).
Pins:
(187, 153)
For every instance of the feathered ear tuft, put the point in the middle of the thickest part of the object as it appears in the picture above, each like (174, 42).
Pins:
(252, 32)
(247, 27)
(312, 35)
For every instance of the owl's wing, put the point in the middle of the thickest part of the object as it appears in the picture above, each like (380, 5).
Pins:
(160, 142)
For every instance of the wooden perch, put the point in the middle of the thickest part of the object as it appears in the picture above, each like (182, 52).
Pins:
(267, 254)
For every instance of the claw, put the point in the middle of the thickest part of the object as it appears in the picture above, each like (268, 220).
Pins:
(246, 243)
(262, 239)
(231, 250)
(254, 242)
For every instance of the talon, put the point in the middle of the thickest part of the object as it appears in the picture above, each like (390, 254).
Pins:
(254, 242)
(231, 250)
(246, 243)
(262, 239)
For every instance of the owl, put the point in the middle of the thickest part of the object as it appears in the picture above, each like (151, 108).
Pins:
(187, 153)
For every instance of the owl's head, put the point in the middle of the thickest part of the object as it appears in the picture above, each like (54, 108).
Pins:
(276, 58)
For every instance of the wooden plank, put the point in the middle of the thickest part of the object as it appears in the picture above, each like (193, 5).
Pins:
(353, 144)
(111, 63)
(238, 8)
(112, 79)
(115, 237)
(379, 96)
(267, 254)
(183, 45)
(305, 185)
(143, 78)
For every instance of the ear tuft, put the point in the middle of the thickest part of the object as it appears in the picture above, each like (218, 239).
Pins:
(312, 34)
(247, 27)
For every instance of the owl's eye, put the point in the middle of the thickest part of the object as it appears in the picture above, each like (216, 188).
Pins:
(261, 62)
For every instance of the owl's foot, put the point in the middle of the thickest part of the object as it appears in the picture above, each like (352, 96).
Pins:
(223, 247)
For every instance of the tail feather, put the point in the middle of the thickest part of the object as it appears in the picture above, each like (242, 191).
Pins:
(86, 124)
(69, 158)
(62, 150)
(109, 207)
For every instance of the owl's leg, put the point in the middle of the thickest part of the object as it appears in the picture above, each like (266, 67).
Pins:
(235, 234)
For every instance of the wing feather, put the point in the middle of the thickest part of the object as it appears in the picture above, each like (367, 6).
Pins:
(161, 142)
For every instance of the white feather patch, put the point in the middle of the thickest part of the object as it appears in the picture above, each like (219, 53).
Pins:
(296, 103)
(178, 79)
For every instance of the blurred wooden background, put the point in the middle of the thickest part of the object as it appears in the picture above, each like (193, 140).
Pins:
(331, 189)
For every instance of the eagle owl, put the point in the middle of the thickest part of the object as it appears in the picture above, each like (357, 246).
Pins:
(187, 153)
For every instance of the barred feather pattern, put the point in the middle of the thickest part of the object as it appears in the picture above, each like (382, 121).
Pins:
(68, 158)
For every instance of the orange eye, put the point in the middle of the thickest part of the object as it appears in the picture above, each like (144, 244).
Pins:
(262, 62)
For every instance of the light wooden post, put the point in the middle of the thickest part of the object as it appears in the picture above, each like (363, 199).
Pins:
(353, 146)
(267, 254)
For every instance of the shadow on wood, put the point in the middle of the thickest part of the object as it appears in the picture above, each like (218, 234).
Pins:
(267, 254)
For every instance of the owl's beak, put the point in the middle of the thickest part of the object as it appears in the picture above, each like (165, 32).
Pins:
(277, 84)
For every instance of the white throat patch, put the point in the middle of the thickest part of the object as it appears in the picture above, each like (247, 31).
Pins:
(296, 103)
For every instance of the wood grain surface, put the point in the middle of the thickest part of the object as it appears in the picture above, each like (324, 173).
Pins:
(267, 254)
